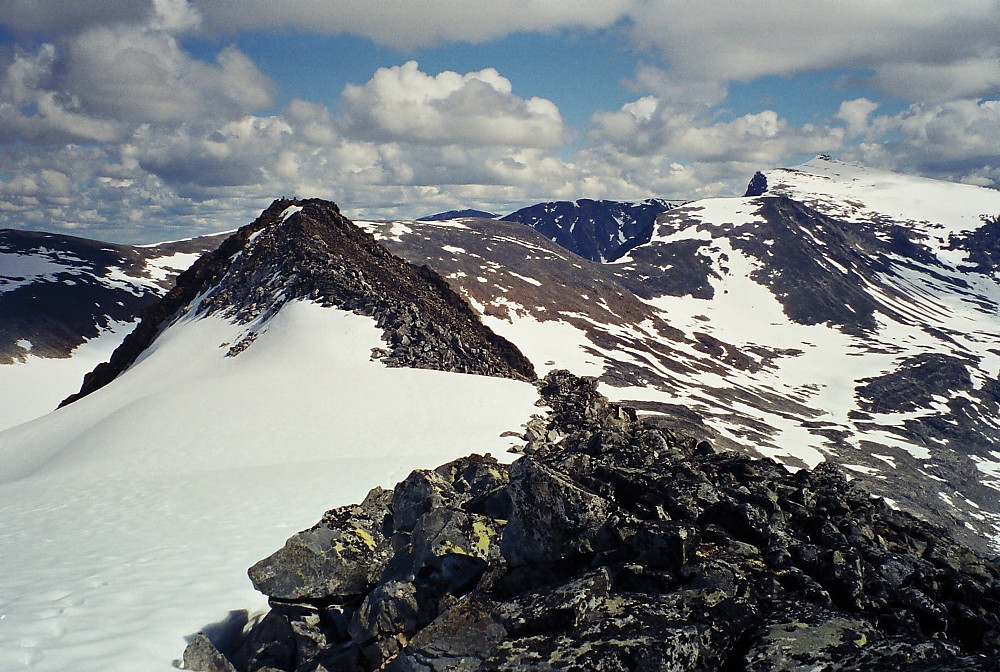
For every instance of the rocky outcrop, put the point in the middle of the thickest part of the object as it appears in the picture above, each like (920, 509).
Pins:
(305, 249)
(757, 185)
(614, 544)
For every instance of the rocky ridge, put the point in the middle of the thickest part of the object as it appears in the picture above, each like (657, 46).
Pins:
(595, 230)
(616, 543)
(305, 249)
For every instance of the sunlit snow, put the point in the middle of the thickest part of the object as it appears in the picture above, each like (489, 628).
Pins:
(35, 386)
(128, 519)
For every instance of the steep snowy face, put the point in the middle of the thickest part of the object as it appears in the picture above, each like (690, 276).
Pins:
(595, 230)
(773, 325)
(65, 305)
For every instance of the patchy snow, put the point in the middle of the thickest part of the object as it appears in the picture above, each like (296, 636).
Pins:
(128, 519)
(18, 270)
(166, 267)
(530, 281)
(289, 211)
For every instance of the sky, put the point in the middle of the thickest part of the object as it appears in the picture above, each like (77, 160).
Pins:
(156, 120)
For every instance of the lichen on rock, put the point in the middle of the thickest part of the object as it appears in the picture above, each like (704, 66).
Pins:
(618, 545)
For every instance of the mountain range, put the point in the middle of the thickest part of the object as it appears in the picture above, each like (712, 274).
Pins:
(66, 303)
(834, 313)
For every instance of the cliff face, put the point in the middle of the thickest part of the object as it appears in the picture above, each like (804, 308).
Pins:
(615, 544)
(308, 250)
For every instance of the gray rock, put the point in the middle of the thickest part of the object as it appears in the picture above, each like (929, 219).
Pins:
(342, 555)
(202, 656)
(553, 516)
(626, 547)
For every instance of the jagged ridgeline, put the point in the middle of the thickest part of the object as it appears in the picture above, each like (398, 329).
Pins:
(305, 249)
(618, 544)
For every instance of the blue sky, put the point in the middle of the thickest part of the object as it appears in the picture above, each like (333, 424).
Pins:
(160, 119)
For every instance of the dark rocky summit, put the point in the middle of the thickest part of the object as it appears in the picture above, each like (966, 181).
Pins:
(595, 230)
(307, 250)
(456, 214)
(757, 185)
(619, 544)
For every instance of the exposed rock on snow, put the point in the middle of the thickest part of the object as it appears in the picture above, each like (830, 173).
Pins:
(314, 253)
(757, 185)
(624, 546)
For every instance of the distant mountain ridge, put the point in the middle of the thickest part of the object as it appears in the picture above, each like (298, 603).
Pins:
(58, 290)
(595, 230)
(456, 214)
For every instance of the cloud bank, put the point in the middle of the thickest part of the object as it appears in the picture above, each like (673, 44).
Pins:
(111, 127)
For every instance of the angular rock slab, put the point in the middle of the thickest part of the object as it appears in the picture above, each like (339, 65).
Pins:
(341, 556)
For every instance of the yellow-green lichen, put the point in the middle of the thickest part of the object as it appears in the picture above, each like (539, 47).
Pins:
(366, 538)
(483, 537)
(449, 547)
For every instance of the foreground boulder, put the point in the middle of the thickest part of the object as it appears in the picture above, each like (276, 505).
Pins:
(614, 545)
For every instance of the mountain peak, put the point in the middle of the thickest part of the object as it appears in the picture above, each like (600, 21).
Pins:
(757, 186)
(306, 250)
(596, 230)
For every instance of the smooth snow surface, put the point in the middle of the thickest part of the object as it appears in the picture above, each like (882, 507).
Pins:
(35, 386)
(128, 519)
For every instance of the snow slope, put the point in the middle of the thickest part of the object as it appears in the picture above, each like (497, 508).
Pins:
(35, 386)
(66, 303)
(128, 519)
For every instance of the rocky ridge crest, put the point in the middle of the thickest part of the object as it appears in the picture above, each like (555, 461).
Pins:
(305, 249)
(618, 544)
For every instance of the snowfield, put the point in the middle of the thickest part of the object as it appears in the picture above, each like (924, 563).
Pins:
(35, 386)
(128, 519)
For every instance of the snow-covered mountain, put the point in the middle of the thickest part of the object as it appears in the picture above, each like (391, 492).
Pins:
(128, 517)
(595, 230)
(845, 314)
(840, 313)
(65, 305)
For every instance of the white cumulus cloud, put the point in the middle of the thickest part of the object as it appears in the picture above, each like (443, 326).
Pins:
(403, 104)
(952, 45)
